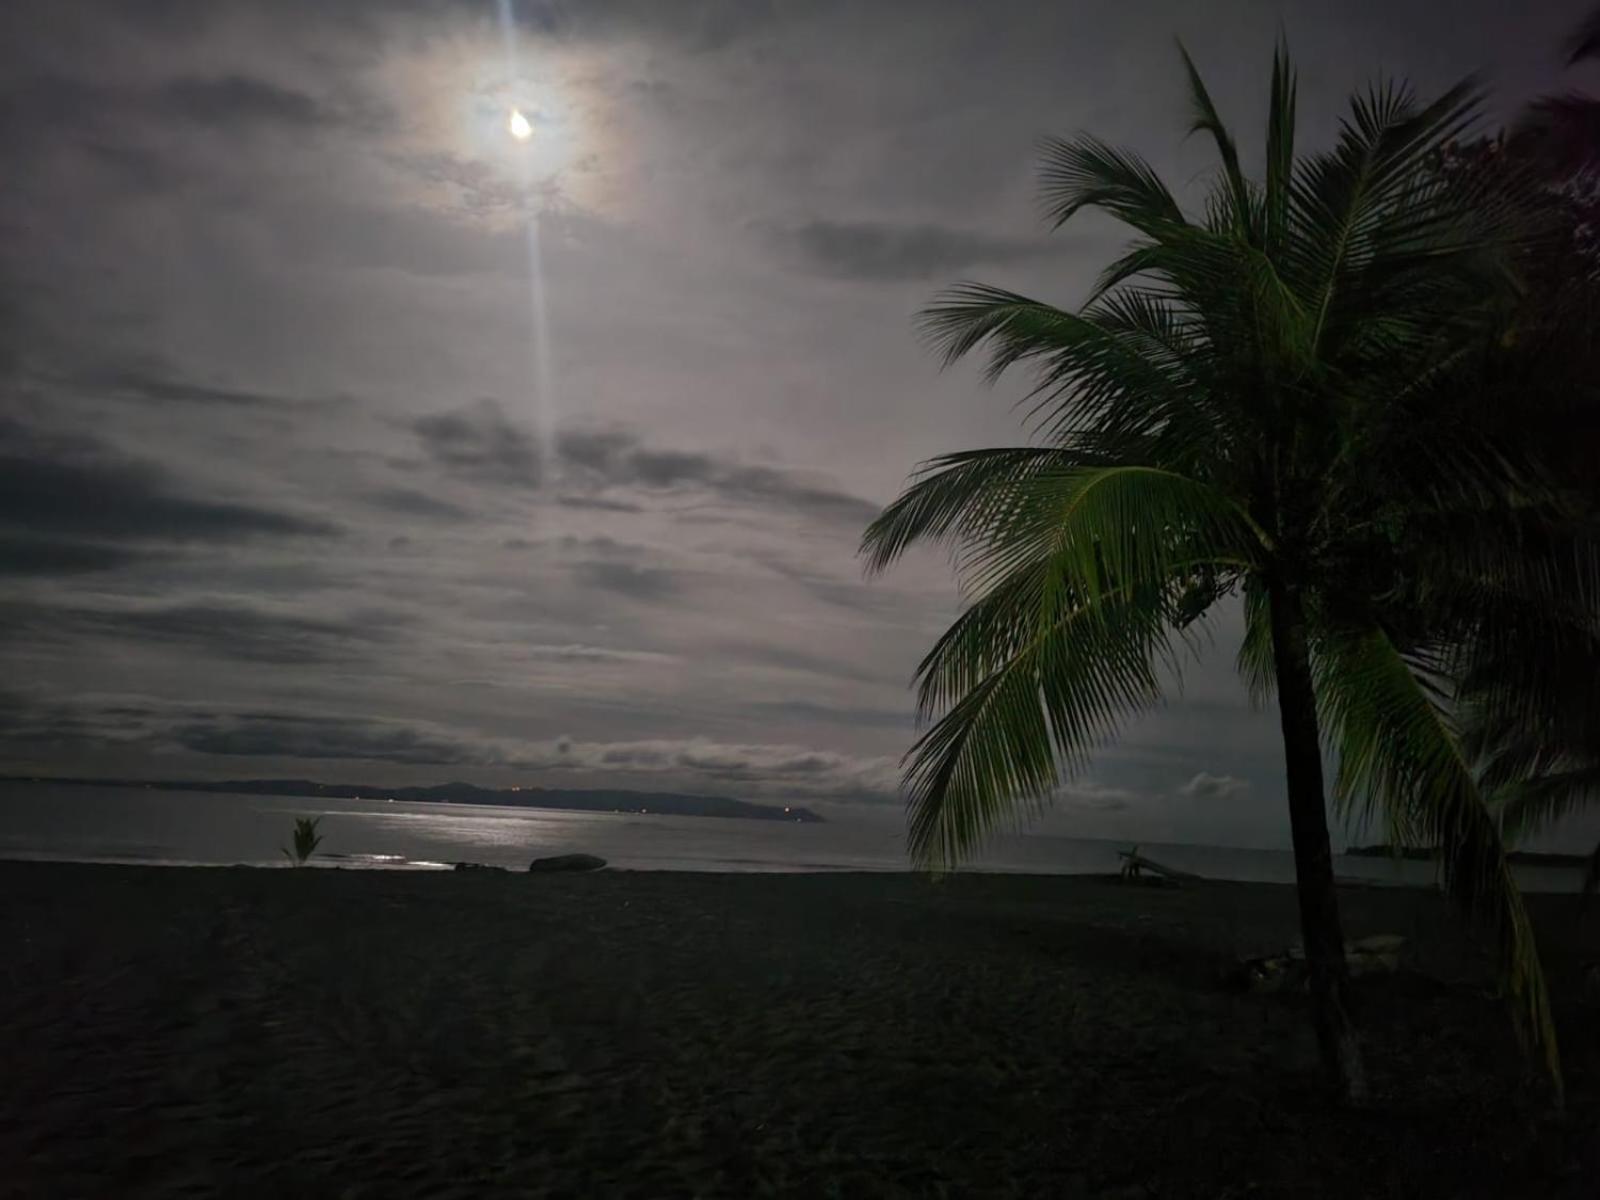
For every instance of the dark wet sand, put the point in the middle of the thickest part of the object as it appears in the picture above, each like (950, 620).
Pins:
(335, 1033)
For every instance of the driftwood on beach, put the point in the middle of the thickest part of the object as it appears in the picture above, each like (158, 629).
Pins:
(1134, 865)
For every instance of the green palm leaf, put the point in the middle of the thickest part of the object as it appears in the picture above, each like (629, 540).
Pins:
(1034, 714)
(1401, 760)
(1084, 172)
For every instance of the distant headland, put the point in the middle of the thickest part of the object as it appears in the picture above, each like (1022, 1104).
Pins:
(580, 799)
(1524, 858)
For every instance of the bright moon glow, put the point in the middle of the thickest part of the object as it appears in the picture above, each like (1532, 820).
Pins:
(520, 129)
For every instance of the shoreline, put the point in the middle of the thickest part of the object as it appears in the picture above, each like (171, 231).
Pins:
(361, 863)
(762, 868)
(137, 826)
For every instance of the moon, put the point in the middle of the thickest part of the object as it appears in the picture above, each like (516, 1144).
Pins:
(519, 126)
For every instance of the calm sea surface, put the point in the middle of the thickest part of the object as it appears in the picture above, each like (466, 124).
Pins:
(47, 821)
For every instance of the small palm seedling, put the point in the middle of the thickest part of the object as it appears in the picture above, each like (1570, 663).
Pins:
(306, 840)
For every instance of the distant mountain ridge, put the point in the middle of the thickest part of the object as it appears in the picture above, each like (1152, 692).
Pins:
(577, 799)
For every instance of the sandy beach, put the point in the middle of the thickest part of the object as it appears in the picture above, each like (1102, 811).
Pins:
(339, 1033)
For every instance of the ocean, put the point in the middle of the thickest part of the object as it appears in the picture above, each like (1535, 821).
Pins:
(146, 825)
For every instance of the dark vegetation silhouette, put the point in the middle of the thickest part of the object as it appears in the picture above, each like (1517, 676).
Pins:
(1292, 396)
(305, 841)
(1532, 675)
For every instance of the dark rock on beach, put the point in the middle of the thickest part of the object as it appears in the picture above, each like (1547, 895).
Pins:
(567, 862)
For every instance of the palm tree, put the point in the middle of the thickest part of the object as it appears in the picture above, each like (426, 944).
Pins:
(1252, 401)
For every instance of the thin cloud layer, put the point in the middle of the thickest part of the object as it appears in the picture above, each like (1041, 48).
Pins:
(881, 252)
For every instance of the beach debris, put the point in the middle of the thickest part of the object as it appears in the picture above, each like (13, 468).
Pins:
(1378, 954)
(1134, 866)
(568, 862)
(1270, 973)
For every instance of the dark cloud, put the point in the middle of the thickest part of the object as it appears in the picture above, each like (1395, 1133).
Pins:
(802, 662)
(150, 381)
(216, 630)
(37, 111)
(80, 489)
(30, 720)
(412, 503)
(599, 504)
(240, 99)
(478, 442)
(885, 718)
(36, 556)
(597, 545)
(855, 593)
(617, 459)
(284, 736)
(879, 253)
(627, 579)
(764, 769)
(595, 449)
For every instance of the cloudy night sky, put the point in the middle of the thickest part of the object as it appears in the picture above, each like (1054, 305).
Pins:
(346, 436)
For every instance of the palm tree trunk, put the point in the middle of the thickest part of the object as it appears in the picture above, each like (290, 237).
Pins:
(1313, 854)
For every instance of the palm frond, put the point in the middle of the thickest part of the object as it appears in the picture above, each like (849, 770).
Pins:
(1358, 207)
(1104, 527)
(958, 492)
(1190, 266)
(1255, 662)
(1092, 371)
(1280, 148)
(1040, 705)
(1546, 797)
(1584, 41)
(1080, 575)
(1085, 172)
(1400, 758)
(1241, 209)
